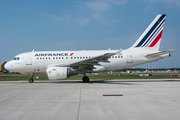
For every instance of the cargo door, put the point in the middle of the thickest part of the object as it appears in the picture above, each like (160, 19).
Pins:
(129, 57)
(28, 59)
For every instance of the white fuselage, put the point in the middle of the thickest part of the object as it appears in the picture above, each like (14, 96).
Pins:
(37, 62)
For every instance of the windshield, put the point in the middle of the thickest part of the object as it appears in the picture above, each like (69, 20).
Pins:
(16, 58)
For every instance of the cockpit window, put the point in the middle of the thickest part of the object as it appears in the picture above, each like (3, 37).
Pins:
(16, 58)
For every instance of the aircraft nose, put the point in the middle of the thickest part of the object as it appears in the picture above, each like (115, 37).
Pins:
(7, 66)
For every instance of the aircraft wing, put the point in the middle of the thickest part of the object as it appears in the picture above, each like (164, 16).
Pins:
(159, 53)
(89, 63)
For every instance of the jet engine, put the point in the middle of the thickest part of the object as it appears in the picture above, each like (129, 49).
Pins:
(55, 73)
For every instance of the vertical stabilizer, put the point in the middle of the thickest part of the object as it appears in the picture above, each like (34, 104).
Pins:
(151, 37)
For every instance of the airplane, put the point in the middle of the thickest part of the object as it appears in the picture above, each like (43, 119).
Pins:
(63, 64)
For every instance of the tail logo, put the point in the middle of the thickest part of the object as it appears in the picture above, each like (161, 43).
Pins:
(154, 34)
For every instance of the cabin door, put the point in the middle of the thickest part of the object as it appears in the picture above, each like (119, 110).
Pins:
(28, 59)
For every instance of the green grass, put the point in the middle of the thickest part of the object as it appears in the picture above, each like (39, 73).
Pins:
(107, 77)
(17, 77)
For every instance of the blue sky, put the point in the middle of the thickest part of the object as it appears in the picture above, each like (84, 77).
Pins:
(85, 25)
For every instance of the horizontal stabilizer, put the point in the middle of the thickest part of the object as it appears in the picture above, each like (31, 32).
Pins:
(159, 53)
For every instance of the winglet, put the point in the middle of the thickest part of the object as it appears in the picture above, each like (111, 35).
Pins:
(119, 52)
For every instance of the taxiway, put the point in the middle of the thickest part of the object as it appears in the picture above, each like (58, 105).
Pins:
(74, 100)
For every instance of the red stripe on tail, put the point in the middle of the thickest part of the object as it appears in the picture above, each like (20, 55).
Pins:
(156, 39)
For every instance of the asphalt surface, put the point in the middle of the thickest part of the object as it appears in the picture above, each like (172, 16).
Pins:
(74, 100)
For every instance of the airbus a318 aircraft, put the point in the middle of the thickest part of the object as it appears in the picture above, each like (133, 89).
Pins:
(63, 64)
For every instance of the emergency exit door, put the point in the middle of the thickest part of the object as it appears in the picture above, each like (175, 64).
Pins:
(129, 57)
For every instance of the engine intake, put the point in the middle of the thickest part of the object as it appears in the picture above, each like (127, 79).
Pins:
(55, 73)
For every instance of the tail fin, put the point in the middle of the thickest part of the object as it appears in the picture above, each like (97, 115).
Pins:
(151, 37)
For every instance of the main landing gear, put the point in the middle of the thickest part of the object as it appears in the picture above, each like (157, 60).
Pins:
(85, 79)
(31, 79)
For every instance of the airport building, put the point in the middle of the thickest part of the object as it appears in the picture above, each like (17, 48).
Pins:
(2, 66)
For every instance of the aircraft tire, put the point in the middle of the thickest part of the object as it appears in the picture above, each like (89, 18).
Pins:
(85, 79)
(31, 80)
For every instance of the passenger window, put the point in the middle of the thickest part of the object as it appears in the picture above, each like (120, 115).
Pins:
(37, 58)
(118, 56)
(80, 57)
(83, 57)
(86, 57)
(77, 57)
(121, 56)
(115, 56)
(59, 57)
(74, 57)
(53, 57)
(71, 57)
(62, 57)
(49, 58)
(112, 56)
(66, 57)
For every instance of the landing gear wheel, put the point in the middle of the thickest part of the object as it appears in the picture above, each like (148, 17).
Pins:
(85, 79)
(31, 80)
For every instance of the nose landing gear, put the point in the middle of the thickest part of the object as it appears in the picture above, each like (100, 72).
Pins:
(31, 79)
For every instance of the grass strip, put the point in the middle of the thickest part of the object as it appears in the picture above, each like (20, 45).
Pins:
(79, 77)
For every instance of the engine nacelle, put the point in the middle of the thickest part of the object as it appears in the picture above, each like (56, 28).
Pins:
(55, 73)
